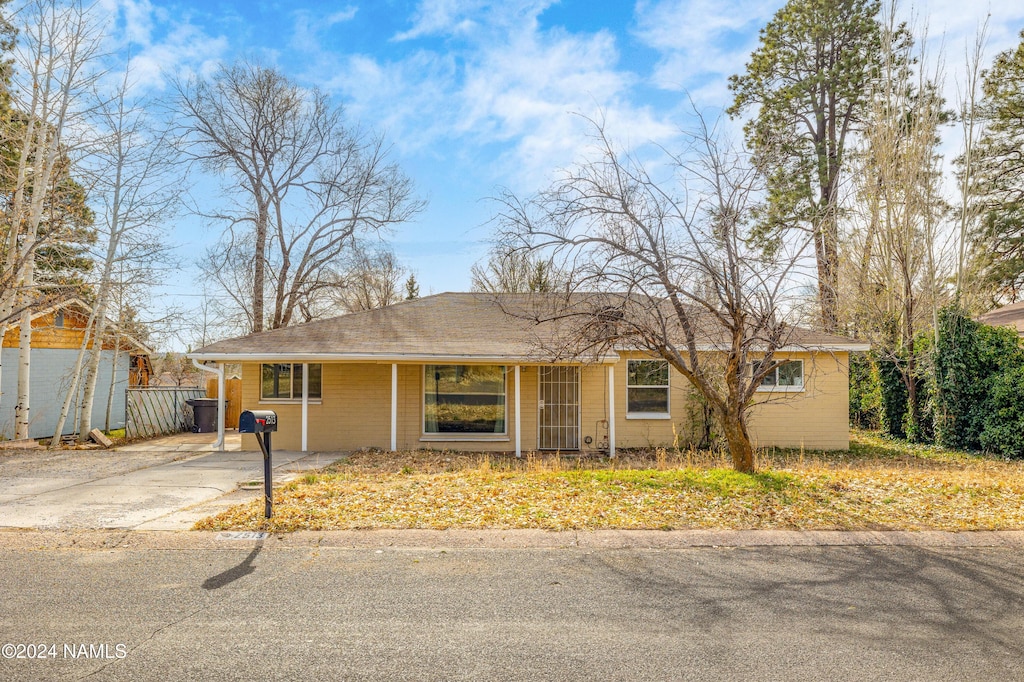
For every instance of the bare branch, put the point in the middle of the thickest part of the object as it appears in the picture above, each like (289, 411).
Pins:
(667, 273)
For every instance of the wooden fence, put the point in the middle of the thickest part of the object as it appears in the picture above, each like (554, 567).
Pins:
(158, 410)
(233, 396)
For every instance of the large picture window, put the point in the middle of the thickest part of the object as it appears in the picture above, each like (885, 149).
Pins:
(283, 381)
(464, 399)
(789, 374)
(647, 387)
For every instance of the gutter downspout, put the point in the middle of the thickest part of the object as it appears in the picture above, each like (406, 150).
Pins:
(219, 371)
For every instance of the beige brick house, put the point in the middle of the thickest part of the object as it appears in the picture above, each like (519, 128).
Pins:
(457, 371)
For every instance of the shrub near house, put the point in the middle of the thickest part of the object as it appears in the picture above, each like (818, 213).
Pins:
(975, 389)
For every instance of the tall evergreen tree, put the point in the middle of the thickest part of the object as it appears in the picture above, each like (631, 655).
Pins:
(999, 177)
(808, 82)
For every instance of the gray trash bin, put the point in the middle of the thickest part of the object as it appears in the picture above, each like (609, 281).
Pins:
(205, 410)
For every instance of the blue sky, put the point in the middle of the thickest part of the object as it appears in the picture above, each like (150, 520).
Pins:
(476, 95)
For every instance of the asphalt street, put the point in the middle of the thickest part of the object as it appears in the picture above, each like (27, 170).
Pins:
(243, 610)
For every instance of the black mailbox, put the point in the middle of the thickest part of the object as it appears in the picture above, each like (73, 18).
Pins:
(257, 421)
(262, 423)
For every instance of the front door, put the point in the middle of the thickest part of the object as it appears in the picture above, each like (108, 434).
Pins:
(559, 408)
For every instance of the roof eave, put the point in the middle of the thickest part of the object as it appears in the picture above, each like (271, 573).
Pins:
(381, 358)
(792, 348)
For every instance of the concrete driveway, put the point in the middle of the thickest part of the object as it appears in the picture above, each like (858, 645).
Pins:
(163, 484)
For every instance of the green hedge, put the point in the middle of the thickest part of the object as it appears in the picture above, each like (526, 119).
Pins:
(865, 393)
(1003, 431)
(893, 397)
(976, 369)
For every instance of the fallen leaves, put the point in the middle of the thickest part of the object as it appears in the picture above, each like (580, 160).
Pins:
(875, 486)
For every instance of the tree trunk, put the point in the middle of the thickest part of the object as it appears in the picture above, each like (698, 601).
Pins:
(89, 389)
(22, 410)
(72, 393)
(259, 268)
(828, 273)
(913, 408)
(113, 382)
(740, 447)
(92, 368)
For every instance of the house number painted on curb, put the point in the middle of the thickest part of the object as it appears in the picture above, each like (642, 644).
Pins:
(243, 535)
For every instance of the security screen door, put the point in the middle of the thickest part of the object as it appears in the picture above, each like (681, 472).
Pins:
(559, 408)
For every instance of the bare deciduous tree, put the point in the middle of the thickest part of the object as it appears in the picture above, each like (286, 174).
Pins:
(972, 124)
(59, 40)
(134, 183)
(372, 279)
(516, 272)
(305, 184)
(678, 277)
(901, 252)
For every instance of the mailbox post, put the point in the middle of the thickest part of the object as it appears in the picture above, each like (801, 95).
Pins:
(262, 423)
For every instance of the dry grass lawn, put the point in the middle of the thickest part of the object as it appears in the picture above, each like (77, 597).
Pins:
(878, 485)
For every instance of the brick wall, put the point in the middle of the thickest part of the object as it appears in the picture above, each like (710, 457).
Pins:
(355, 410)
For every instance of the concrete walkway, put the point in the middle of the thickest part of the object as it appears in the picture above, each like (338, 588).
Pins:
(185, 442)
(165, 484)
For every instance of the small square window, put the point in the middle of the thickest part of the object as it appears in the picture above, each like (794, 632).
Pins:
(788, 374)
(283, 381)
(791, 373)
(647, 386)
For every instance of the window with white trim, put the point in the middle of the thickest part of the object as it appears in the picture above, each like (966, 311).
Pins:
(647, 387)
(464, 399)
(283, 381)
(790, 374)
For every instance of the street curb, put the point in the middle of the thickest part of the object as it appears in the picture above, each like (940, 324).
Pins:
(28, 540)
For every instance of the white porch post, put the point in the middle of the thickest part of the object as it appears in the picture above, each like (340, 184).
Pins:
(305, 406)
(519, 439)
(219, 445)
(611, 411)
(221, 407)
(394, 406)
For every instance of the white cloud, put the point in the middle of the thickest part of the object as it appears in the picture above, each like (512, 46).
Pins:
(131, 21)
(347, 14)
(525, 90)
(184, 49)
(409, 99)
(506, 88)
(466, 17)
(956, 20)
(157, 42)
(309, 26)
(701, 42)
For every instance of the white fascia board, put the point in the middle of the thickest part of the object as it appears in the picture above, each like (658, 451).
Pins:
(383, 359)
(825, 348)
(820, 348)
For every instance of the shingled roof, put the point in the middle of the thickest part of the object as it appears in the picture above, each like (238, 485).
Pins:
(455, 325)
(1008, 316)
(448, 326)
